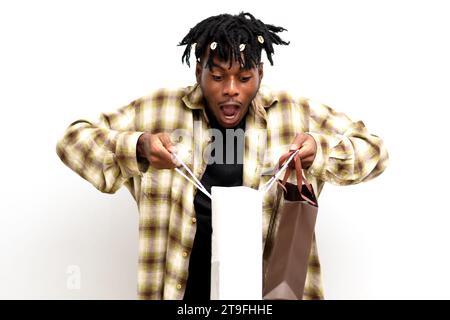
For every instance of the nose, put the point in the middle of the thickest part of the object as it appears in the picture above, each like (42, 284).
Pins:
(230, 88)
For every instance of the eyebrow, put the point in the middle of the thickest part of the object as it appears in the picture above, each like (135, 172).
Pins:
(216, 65)
(222, 68)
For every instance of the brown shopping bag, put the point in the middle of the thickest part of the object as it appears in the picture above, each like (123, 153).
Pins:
(292, 229)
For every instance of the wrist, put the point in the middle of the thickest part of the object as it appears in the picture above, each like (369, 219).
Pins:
(140, 146)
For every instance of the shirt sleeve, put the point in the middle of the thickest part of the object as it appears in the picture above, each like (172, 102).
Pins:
(103, 152)
(346, 152)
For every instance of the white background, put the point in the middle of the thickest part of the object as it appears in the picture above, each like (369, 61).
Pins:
(384, 62)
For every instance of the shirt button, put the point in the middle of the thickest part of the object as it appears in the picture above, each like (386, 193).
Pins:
(178, 286)
(185, 254)
(194, 220)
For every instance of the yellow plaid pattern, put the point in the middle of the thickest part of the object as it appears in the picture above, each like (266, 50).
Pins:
(104, 153)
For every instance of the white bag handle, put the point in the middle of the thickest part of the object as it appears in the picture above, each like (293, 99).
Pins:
(196, 182)
(266, 187)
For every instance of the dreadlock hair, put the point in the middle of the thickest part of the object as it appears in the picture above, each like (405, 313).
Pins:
(230, 32)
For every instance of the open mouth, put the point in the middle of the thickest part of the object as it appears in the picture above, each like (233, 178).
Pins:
(229, 111)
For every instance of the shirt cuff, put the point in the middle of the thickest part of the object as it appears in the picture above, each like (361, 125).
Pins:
(318, 166)
(126, 154)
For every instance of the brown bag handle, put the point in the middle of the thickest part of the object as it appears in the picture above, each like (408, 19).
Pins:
(298, 173)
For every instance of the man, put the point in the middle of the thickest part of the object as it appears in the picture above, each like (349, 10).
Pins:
(135, 145)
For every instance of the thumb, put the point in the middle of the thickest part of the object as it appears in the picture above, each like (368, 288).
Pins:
(167, 143)
(298, 141)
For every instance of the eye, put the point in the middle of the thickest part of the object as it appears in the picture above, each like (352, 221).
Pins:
(216, 77)
(245, 79)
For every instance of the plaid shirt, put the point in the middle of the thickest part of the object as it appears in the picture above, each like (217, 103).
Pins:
(104, 153)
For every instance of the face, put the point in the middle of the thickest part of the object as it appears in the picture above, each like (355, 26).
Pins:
(228, 91)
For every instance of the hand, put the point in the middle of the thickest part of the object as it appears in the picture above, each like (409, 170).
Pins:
(307, 146)
(157, 149)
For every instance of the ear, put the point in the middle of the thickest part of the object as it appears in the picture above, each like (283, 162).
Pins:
(198, 71)
(261, 70)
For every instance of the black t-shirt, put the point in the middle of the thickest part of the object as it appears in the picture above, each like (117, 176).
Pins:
(222, 174)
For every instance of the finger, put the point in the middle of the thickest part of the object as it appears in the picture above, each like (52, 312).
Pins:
(299, 139)
(283, 158)
(304, 151)
(167, 143)
(162, 155)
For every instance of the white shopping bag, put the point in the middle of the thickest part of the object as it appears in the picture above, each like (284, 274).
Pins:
(236, 260)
